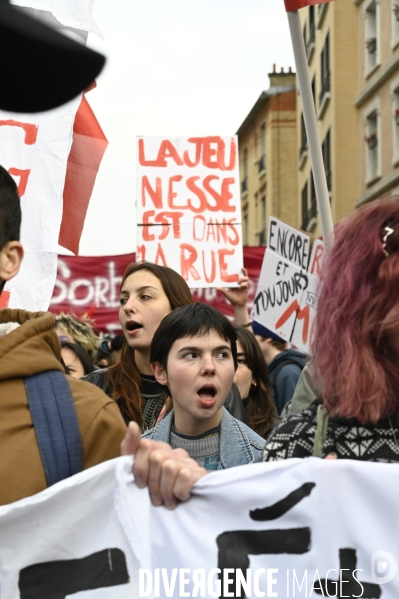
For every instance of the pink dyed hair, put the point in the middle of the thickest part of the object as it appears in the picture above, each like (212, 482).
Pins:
(357, 309)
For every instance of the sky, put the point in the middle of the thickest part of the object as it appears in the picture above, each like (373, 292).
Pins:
(174, 67)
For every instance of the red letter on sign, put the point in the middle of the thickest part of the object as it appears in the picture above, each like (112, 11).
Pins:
(156, 195)
(187, 262)
(223, 267)
(24, 176)
(30, 130)
(30, 139)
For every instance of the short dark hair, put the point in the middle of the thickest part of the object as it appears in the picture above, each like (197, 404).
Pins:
(10, 209)
(81, 355)
(190, 321)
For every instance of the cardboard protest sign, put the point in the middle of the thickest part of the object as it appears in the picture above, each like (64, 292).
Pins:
(268, 535)
(286, 298)
(188, 208)
(283, 278)
(281, 284)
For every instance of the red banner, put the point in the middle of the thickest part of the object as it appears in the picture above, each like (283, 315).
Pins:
(91, 285)
(291, 5)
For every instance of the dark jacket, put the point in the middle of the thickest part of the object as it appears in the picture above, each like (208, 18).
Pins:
(153, 404)
(284, 371)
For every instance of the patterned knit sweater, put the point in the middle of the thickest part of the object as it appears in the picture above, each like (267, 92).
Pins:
(294, 438)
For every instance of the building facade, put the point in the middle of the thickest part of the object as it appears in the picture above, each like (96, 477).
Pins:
(352, 48)
(267, 148)
(332, 53)
(377, 99)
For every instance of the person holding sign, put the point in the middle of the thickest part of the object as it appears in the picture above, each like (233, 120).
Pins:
(194, 354)
(355, 348)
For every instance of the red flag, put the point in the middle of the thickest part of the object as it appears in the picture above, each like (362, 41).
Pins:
(291, 5)
(88, 147)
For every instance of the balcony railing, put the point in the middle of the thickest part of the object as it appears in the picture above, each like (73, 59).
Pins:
(325, 86)
(261, 164)
(244, 185)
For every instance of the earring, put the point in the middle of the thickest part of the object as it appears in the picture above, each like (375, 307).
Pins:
(254, 384)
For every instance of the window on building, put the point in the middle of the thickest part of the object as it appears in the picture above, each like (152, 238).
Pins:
(305, 212)
(310, 43)
(245, 231)
(395, 119)
(262, 232)
(312, 26)
(321, 11)
(326, 151)
(372, 141)
(304, 139)
(313, 200)
(395, 25)
(262, 157)
(244, 180)
(314, 90)
(371, 38)
(324, 73)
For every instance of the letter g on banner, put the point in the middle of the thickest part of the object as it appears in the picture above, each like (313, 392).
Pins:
(379, 565)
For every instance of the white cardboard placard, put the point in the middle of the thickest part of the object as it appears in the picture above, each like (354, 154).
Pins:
(189, 208)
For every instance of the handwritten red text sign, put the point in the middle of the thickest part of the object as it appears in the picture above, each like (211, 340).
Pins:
(188, 208)
(286, 297)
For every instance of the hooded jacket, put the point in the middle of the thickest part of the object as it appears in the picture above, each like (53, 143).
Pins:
(284, 371)
(26, 350)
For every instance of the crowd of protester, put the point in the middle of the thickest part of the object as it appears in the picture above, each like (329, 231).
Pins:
(194, 385)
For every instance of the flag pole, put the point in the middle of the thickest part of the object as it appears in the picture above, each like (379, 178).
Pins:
(312, 132)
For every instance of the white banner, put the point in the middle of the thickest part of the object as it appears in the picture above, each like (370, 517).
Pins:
(189, 208)
(296, 528)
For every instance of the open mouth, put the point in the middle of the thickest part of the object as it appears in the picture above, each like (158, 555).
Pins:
(132, 325)
(207, 392)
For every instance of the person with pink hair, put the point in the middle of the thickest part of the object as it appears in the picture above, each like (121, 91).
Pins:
(355, 348)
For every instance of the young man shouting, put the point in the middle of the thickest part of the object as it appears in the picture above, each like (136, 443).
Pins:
(194, 354)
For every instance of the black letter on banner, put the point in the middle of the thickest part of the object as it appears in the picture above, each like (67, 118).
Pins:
(236, 546)
(56, 580)
(348, 561)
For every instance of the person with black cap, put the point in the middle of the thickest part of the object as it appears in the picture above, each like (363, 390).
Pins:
(284, 365)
